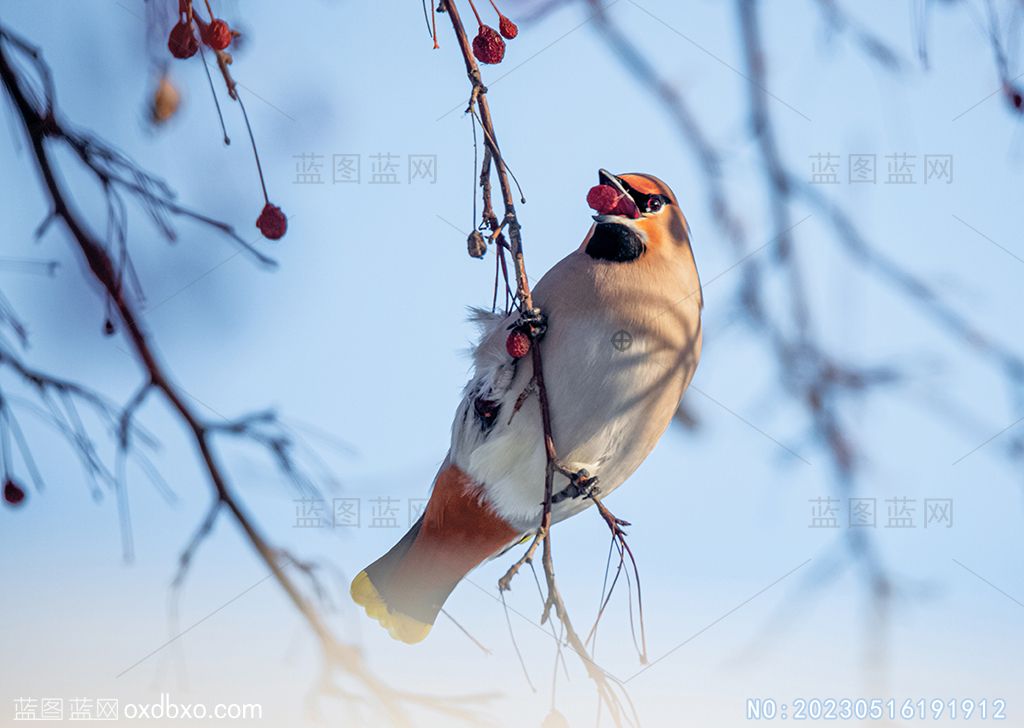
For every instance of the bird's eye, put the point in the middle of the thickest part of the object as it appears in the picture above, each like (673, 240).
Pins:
(655, 203)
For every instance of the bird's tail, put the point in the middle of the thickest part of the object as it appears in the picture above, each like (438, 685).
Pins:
(405, 588)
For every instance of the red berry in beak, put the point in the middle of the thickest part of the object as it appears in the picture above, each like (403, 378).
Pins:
(272, 222)
(606, 200)
(517, 344)
(509, 30)
(603, 198)
(182, 41)
(13, 493)
(217, 35)
(488, 47)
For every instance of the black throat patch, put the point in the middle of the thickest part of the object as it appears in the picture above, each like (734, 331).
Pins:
(614, 242)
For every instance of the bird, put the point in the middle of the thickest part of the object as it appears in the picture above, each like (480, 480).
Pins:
(620, 318)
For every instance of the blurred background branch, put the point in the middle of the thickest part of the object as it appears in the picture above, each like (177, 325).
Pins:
(109, 264)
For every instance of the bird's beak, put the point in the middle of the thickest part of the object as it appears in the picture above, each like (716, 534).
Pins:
(605, 177)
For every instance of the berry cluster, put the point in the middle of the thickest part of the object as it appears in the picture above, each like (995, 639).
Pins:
(183, 42)
(489, 44)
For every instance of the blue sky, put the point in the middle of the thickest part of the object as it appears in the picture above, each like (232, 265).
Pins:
(359, 340)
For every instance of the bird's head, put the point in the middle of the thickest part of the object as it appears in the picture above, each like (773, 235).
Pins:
(637, 214)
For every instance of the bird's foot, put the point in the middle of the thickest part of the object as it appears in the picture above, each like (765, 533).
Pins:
(581, 484)
(614, 523)
(531, 322)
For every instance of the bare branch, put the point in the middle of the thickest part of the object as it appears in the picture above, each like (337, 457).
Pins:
(38, 117)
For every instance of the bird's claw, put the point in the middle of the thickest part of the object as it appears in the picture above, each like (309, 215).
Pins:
(531, 322)
(581, 484)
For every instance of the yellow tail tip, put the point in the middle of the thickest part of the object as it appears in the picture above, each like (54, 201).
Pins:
(400, 626)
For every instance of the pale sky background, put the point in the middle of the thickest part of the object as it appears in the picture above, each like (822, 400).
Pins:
(359, 341)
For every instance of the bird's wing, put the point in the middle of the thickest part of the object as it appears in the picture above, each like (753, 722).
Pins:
(608, 407)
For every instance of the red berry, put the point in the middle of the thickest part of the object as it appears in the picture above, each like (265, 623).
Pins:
(182, 41)
(606, 200)
(488, 47)
(272, 222)
(13, 492)
(217, 34)
(517, 345)
(508, 29)
(603, 198)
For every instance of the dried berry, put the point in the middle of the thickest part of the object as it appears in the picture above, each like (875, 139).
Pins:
(13, 493)
(488, 46)
(108, 328)
(182, 41)
(166, 100)
(476, 245)
(517, 344)
(272, 222)
(217, 34)
(509, 30)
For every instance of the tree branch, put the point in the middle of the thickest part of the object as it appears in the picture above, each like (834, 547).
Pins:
(478, 105)
(42, 127)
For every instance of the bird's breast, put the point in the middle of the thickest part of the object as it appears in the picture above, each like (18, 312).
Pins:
(621, 346)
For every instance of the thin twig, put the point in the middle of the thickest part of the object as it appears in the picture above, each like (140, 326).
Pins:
(478, 105)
